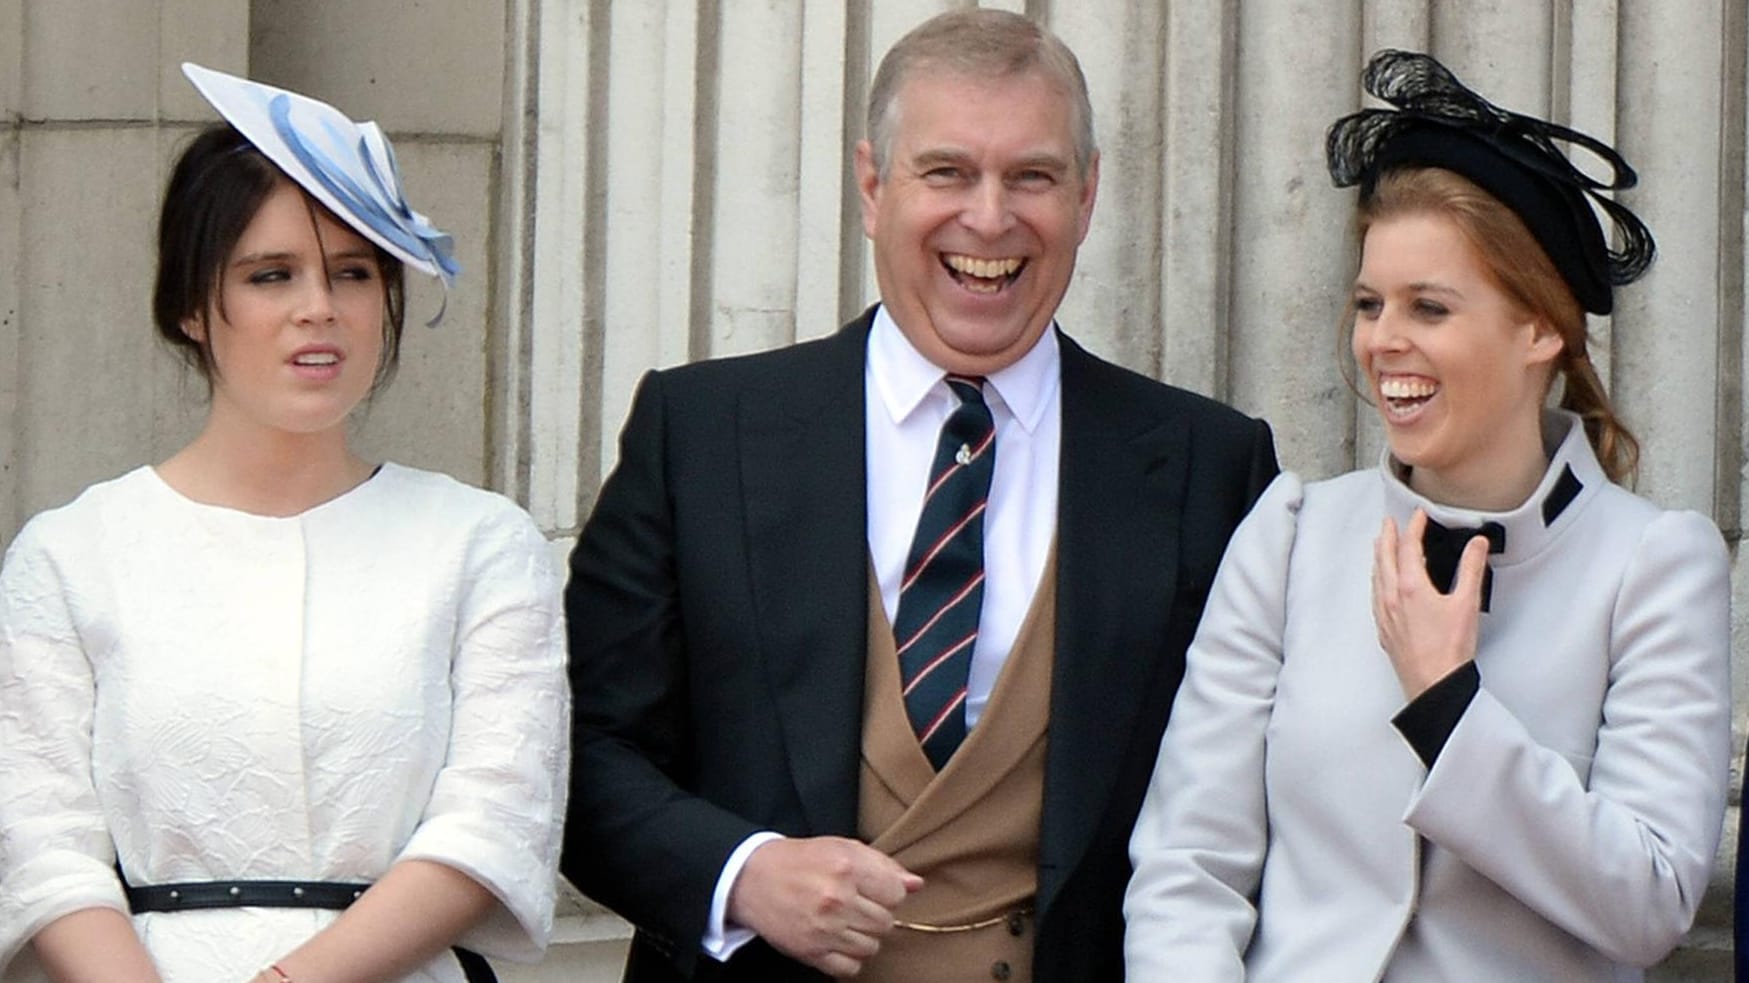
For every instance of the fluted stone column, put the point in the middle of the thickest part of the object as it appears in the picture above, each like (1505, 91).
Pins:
(1292, 260)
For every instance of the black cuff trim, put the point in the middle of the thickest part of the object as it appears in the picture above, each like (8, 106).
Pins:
(1427, 722)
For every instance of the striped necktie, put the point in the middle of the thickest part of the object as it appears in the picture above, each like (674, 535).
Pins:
(943, 588)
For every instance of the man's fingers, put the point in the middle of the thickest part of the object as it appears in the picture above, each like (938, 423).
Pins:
(844, 952)
(826, 901)
(859, 945)
(881, 878)
(868, 916)
(837, 965)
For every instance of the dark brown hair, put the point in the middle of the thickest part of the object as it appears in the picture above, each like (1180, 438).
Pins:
(1525, 273)
(215, 189)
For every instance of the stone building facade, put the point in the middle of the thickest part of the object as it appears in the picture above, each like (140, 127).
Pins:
(639, 183)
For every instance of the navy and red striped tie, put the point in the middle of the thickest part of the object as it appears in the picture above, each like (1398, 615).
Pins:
(943, 590)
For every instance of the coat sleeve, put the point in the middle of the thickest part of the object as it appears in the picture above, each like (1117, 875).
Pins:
(497, 805)
(636, 839)
(1199, 842)
(1619, 859)
(56, 855)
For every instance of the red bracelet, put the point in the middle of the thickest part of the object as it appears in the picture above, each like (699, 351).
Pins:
(283, 978)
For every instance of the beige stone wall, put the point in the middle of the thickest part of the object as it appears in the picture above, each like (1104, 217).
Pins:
(95, 114)
(636, 183)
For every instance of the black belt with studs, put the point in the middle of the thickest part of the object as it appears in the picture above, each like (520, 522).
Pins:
(330, 895)
(195, 895)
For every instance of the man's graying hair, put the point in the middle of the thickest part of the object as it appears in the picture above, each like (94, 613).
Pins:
(979, 44)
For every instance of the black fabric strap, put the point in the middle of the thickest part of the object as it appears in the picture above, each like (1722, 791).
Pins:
(329, 895)
(195, 895)
(474, 966)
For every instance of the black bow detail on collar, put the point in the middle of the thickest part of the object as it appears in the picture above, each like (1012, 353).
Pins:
(1445, 547)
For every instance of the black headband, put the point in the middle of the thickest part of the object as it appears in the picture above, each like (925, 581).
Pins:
(1440, 123)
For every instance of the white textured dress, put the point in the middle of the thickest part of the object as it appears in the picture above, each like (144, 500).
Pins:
(1566, 830)
(214, 695)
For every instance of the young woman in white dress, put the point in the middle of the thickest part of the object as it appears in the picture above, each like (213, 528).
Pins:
(1464, 716)
(269, 710)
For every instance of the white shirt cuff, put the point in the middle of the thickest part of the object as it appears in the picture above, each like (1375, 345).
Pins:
(721, 939)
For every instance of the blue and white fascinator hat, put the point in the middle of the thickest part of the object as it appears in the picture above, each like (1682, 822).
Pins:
(348, 167)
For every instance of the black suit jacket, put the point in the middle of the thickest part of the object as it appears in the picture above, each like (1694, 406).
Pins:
(1740, 905)
(718, 620)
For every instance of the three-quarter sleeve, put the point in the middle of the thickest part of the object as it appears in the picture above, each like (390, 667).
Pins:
(497, 806)
(1199, 842)
(56, 856)
(1618, 856)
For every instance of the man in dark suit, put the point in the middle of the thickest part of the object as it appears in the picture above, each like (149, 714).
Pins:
(873, 638)
(1740, 907)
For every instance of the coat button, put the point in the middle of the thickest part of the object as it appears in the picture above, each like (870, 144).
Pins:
(1017, 924)
(1000, 971)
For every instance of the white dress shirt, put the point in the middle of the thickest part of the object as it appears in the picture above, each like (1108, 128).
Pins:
(907, 400)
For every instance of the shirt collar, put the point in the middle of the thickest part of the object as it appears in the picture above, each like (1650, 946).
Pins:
(903, 377)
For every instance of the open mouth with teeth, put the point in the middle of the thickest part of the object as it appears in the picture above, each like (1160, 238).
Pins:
(316, 358)
(1403, 395)
(982, 276)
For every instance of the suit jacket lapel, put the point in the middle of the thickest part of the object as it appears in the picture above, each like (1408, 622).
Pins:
(1121, 490)
(802, 474)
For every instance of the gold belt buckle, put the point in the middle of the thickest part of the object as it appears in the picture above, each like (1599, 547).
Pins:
(1006, 916)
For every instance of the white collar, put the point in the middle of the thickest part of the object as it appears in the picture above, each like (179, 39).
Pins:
(903, 377)
(1542, 517)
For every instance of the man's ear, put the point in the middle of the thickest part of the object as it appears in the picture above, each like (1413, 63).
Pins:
(1089, 192)
(868, 185)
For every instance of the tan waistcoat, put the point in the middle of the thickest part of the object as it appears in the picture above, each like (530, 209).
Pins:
(972, 830)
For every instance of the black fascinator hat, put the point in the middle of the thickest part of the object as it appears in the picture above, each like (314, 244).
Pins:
(1438, 122)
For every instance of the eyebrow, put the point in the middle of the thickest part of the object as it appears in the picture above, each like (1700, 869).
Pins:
(1421, 286)
(925, 159)
(250, 258)
(282, 256)
(1042, 160)
(953, 155)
